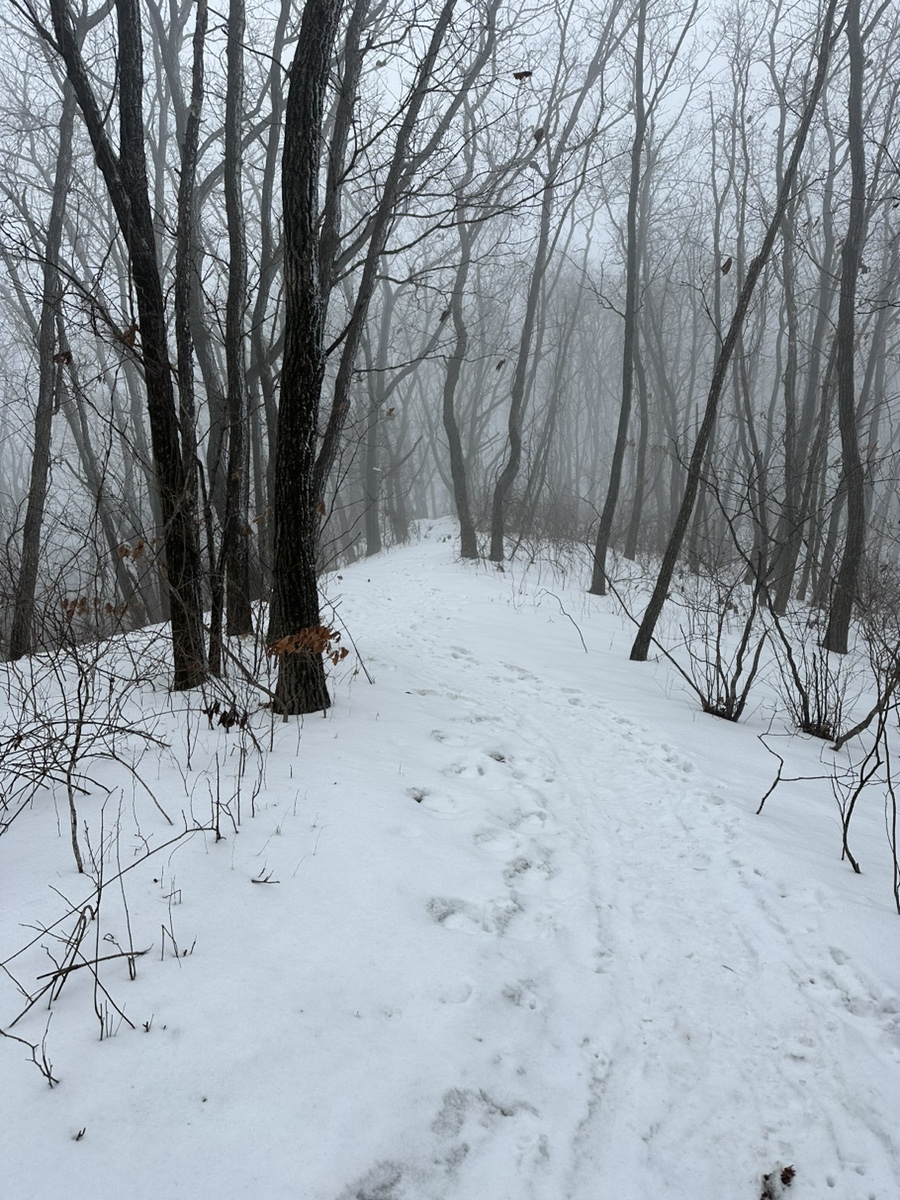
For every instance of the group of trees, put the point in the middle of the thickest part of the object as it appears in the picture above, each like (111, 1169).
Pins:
(278, 279)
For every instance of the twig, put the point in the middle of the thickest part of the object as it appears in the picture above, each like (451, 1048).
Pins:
(92, 963)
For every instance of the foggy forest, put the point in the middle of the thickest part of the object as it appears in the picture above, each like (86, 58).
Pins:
(599, 300)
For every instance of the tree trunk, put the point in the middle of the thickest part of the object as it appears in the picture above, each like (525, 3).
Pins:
(845, 585)
(632, 267)
(468, 542)
(294, 611)
(185, 267)
(125, 176)
(21, 638)
(236, 533)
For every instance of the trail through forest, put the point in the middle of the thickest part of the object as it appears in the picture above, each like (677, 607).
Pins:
(517, 932)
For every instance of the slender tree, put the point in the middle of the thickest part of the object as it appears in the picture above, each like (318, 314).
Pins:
(21, 638)
(644, 637)
(853, 476)
(236, 533)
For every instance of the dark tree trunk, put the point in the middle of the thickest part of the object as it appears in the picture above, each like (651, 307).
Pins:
(260, 373)
(468, 542)
(185, 267)
(294, 611)
(640, 471)
(853, 484)
(125, 175)
(236, 533)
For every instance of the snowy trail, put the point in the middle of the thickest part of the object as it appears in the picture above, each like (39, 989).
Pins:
(690, 1032)
(528, 942)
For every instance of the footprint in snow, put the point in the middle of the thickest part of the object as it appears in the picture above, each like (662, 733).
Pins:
(520, 866)
(527, 820)
(460, 915)
(464, 1104)
(520, 673)
(456, 993)
(384, 1181)
(521, 994)
(461, 652)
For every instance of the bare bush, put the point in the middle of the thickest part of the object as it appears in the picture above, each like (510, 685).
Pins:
(813, 684)
(723, 639)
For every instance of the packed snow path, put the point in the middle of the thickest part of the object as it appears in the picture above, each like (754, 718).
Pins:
(528, 940)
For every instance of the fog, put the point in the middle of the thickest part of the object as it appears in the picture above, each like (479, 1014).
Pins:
(484, 260)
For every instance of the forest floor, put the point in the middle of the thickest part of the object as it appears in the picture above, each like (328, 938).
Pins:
(504, 925)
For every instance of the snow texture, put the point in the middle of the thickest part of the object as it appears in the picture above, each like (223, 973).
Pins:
(504, 925)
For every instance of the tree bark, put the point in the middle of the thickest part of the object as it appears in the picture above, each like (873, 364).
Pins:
(236, 533)
(294, 609)
(845, 585)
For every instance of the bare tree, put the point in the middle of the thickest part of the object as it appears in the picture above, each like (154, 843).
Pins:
(634, 237)
(647, 627)
(853, 479)
(125, 173)
(555, 140)
(236, 534)
(50, 365)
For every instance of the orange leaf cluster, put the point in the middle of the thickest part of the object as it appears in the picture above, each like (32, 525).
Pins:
(315, 639)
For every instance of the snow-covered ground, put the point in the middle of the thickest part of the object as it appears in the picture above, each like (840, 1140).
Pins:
(503, 925)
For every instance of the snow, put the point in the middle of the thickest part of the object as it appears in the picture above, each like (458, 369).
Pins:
(504, 924)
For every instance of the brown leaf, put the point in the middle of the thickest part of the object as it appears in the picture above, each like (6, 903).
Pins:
(519, 75)
(315, 639)
(726, 266)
